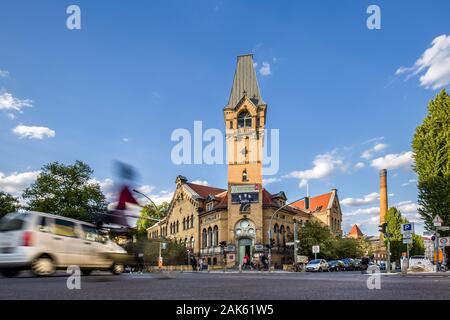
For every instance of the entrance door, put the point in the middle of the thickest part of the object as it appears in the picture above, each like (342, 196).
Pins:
(245, 248)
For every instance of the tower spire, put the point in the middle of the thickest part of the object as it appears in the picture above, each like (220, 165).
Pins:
(245, 82)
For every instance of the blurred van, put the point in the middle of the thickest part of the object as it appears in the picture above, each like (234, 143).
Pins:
(43, 242)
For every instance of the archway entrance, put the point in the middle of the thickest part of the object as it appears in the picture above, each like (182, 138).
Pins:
(245, 247)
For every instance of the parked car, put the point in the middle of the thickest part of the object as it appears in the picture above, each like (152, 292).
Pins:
(382, 265)
(349, 264)
(44, 242)
(336, 265)
(357, 264)
(318, 265)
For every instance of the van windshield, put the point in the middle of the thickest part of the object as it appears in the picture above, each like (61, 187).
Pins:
(13, 222)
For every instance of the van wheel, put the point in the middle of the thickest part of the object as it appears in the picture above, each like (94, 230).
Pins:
(43, 266)
(10, 272)
(86, 272)
(117, 268)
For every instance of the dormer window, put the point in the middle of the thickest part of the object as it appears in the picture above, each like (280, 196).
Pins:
(209, 206)
(244, 120)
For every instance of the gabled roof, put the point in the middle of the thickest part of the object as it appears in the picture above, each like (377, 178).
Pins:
(245, 83)
(204, 191)
(317, 203)
(355, 232)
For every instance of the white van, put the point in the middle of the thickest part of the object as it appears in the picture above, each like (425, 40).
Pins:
(44, 242)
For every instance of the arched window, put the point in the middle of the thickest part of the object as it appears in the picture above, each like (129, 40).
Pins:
(204, 238)
(191, 244)
(276, 235)
(216, 236)
(210, 235)
(184, 223)
(283, 235)
(178, 226)
(244, 120)
(244, 175)
(187, 223)
(192, 221)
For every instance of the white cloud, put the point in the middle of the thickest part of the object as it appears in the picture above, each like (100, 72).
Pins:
(368, 154)
(270, 180)
(376, 139)
(4, 73)
(434, 64)
(201, 182)
(355, 202)
(265, 69)
(9, 102)
(410, 181)
(125, 139)
(393, 161)
(324, 166)
(33, 132)
(16, 182)
(359, 165)
(363, 211)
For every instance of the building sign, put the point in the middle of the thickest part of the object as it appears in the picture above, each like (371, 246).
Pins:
(244, 188)
(247, 197)
(231, 257)
(259, 247)
(230, 249)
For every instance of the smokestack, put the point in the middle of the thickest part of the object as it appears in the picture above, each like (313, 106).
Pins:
(383, 195)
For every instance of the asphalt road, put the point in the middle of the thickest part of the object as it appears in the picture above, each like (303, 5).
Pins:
(228, 286)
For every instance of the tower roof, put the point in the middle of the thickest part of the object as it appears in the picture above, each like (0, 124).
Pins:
(355, 232)
(245, 82)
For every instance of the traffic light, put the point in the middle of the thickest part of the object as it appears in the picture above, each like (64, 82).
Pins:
(382, 227)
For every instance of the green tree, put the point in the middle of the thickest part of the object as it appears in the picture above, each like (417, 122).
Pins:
(149, 211)
(394, 220)
(348, 248)
(316, 233)
(8, 203)
(431, 147)
(67, 191)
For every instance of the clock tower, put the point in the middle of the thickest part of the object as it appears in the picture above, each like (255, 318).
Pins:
(245, 119)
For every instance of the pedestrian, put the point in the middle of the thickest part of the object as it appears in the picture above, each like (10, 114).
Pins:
(194, 264)
(245, 261)
(200, 263)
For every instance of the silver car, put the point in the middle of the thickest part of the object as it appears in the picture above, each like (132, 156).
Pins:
(317, 265)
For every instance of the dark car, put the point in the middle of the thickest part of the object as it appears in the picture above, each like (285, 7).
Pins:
(382, 265)
(357, 264)
(365, 262)
(349, 264)
(336, 265)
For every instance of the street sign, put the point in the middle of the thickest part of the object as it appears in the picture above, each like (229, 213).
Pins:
(291, 243)
(407, 227)
(444, 242)
(443, 228)
(407, 240)
(259, 247)
(230, 248)
(437, 221)
(315, 249)
(407, 235)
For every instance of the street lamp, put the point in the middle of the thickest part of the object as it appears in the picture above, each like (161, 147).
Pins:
(150, 218)
(270, 228)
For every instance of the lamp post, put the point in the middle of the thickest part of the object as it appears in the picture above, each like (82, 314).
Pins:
(154, 219)
(270, 228)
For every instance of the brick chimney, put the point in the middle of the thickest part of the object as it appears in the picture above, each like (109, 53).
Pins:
(383, 195)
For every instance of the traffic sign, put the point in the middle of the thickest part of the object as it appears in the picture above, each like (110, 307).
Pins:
(407, 240)
(443, 228)
(407, 235)
(315, 249)
(444, 241)
(437, 221)
(407, 227)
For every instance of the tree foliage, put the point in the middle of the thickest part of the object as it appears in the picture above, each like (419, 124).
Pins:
(394, 219)
(331, 247)
(67, 191)
(8, 203)
(431, 147)
(149, 211)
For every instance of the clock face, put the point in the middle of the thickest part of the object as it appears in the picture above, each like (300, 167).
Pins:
(238, 231)
(245, 224)
(251, 231)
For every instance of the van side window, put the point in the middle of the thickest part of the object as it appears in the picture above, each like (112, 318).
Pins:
(92, 234)
(44, 224)
(64, 228)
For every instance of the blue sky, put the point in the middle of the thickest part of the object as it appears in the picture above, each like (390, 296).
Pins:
(137, 70)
